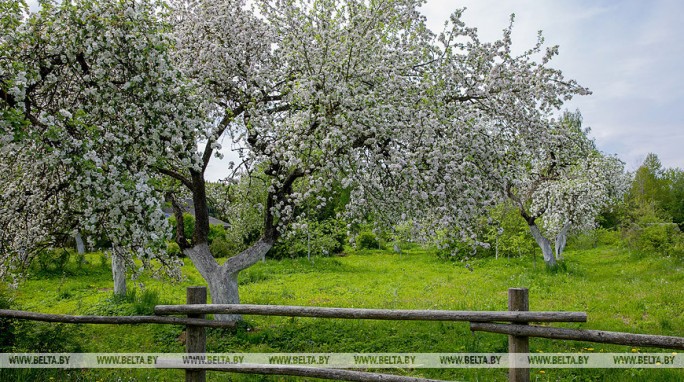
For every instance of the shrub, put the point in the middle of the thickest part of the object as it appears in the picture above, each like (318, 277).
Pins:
(104, 262)
(6, 325)
(661, 238)
(608, 236)
(221, 248)
(173, 249)
(336, 230)
(216, 231)
(502, 232)
(456, 250)
(322, 238)
(188, 225)
(81, 260)
(145, 303)
(131, 304)
(584, 240)
(252, 275)
(53, 260)
(367, 240)
(46, 337)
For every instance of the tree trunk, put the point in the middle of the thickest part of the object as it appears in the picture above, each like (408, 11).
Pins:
(119, 273)
(223, 279)
(561, 241)
(496, 248)
(224, 290)
(80, 246)
(544, 244)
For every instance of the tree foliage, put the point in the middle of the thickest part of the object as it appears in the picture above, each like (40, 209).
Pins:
(563, 184)
(103, 102)
(652, 218)
(661, 187)
(90, 102)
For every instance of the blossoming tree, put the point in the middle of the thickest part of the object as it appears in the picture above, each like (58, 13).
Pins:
(564, 183)
(89, 103)
(104, 99)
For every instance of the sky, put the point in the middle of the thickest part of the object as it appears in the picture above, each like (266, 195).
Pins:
(629, 53)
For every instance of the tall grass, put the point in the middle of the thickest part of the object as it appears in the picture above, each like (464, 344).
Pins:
(619, 291)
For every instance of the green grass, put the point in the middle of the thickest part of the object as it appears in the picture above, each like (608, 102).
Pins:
(619, 292)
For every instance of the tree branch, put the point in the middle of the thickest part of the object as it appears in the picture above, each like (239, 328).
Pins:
(249, 256)
(175, 175)
(181, 240)
(7, 98)
(270, 226)
(223, 125)
(464, 98)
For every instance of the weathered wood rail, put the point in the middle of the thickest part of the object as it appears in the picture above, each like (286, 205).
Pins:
(109, 320)
(335, 374)
(600, 336)
(373, 314)
(518, 329)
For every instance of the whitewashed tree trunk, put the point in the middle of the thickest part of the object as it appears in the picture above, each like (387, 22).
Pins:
(223, 287)
(223, 279)
(80, 246)
(544, 244)
(119, 273)
(561, 241)
(496, 248)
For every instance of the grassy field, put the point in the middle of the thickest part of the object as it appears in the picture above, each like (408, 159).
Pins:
(619, 291)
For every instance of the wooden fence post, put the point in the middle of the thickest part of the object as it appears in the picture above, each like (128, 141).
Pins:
(518, 300)
(195, 337)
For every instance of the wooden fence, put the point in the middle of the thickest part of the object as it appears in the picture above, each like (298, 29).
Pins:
(518, 329)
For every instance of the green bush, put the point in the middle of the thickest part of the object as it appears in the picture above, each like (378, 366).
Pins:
(188, 225)
(53, 260)
(322, 238)
(505, 232)
(6, 325)
(104, 261)
(216, 231)
(40, 337)
(131, 304)
(584, 241)
(145, 303)
(46, 337)
(173, 249)
(659, 238)
(253, 275)
(502, 233)
(608, 236)
(221, 248)
(336, 231)
(289, 249)
(367, 240)
(81, 260)
(456, 250)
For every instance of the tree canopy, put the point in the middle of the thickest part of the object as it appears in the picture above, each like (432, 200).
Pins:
(104, 102)
(90, 103)
(563, 184)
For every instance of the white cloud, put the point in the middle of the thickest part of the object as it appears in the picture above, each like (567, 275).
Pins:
(628, 53)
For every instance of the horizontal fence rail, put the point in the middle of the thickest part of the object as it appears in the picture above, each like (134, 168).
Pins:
(334, 374)
(121, 320)
(372, 314)
(598, 336)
